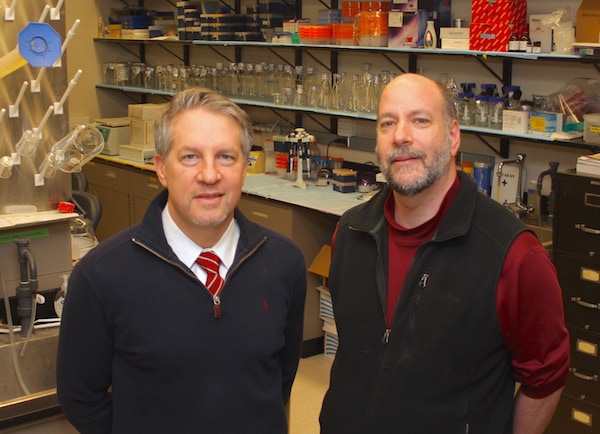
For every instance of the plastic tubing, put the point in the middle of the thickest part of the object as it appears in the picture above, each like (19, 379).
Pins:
(11, 334)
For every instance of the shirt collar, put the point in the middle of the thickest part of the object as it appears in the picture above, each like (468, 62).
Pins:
(188, 251)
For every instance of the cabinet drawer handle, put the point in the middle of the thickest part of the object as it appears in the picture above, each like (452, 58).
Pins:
(590, 275)
(584, 376)
(152, 185)
(587, 230)
(110, 174)
(580, 302)
(260, 214)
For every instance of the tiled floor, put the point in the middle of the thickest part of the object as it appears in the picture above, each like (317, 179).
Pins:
(309, 388)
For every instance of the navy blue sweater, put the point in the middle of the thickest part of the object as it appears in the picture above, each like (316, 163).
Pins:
(141, 352)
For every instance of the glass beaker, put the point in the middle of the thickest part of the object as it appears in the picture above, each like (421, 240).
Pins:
(150, 77)
(137, 74)
(121, 74)
(109, 72)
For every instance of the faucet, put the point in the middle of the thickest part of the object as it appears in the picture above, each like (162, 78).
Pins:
(517, 207)
(27, 289)
(551, 172)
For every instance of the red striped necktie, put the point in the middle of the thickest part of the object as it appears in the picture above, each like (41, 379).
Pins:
(210, 262)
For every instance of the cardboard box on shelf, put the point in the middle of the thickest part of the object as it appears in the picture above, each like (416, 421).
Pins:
(146, 112)
(538, 32)
(499, 11)
(406, 29)
(455, 44)
(455, 38)
(545, 122)
(142, 132)
(493, 36)
(588, 22)
(439, 10)
(136, 153)
(515, 121)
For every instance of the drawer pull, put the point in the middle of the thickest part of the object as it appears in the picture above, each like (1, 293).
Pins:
(582, 417)
(587, 348)
(587, 230)
(580, 302)
(260, 214)
(590, 275)
(582, 376)
(110, 174)
(152, 185)
(591, 199)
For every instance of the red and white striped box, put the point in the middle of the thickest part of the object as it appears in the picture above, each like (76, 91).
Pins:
(493, 36)
(499, 11)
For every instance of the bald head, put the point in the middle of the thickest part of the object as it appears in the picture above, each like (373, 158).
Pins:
(434, 89)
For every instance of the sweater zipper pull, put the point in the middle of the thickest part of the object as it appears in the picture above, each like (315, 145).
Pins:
(423, 281)
(386, 336)
(217, 306)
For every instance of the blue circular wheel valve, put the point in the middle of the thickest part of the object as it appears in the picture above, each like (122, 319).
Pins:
(39, 44)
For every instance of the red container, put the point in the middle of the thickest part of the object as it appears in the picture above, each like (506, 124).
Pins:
(493, 36)
(499, 11)
(350, 8)
(375, 6)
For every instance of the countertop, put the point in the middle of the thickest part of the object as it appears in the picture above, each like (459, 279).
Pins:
(319, 198)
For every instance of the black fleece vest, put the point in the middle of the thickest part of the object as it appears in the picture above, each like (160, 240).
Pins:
(442, 367)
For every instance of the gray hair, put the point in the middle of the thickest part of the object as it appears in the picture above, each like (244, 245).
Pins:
(206, 99)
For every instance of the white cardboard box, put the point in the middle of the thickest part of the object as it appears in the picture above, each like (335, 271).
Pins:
(515, 121)
(540, 33)
(455, 44)
(455, 32)
(136, 153)
(142, 133)
(145, 112)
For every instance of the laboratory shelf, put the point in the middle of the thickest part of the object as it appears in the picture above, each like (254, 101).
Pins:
(481, 57)
(266, 103)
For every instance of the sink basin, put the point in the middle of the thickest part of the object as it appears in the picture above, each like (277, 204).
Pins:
(38, 369)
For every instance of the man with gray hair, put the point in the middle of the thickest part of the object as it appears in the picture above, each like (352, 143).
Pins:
(192, 320)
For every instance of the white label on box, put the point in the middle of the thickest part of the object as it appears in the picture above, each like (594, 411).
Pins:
(455, 44)
(515, 121)
(455, 32)
(395, 19)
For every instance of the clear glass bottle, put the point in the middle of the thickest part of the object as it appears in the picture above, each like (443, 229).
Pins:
(466, 108)
(355, 94)
(338, 92)
(270, 83)
(496, 112)
(482, 111)
(299, 96)
(513, 97)
(324, 97)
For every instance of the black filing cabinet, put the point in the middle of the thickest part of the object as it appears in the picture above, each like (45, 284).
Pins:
(576, 247)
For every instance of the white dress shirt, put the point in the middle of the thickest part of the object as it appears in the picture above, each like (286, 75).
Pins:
(188, 251)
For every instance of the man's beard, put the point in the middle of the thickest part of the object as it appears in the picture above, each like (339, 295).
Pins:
(433, 170)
